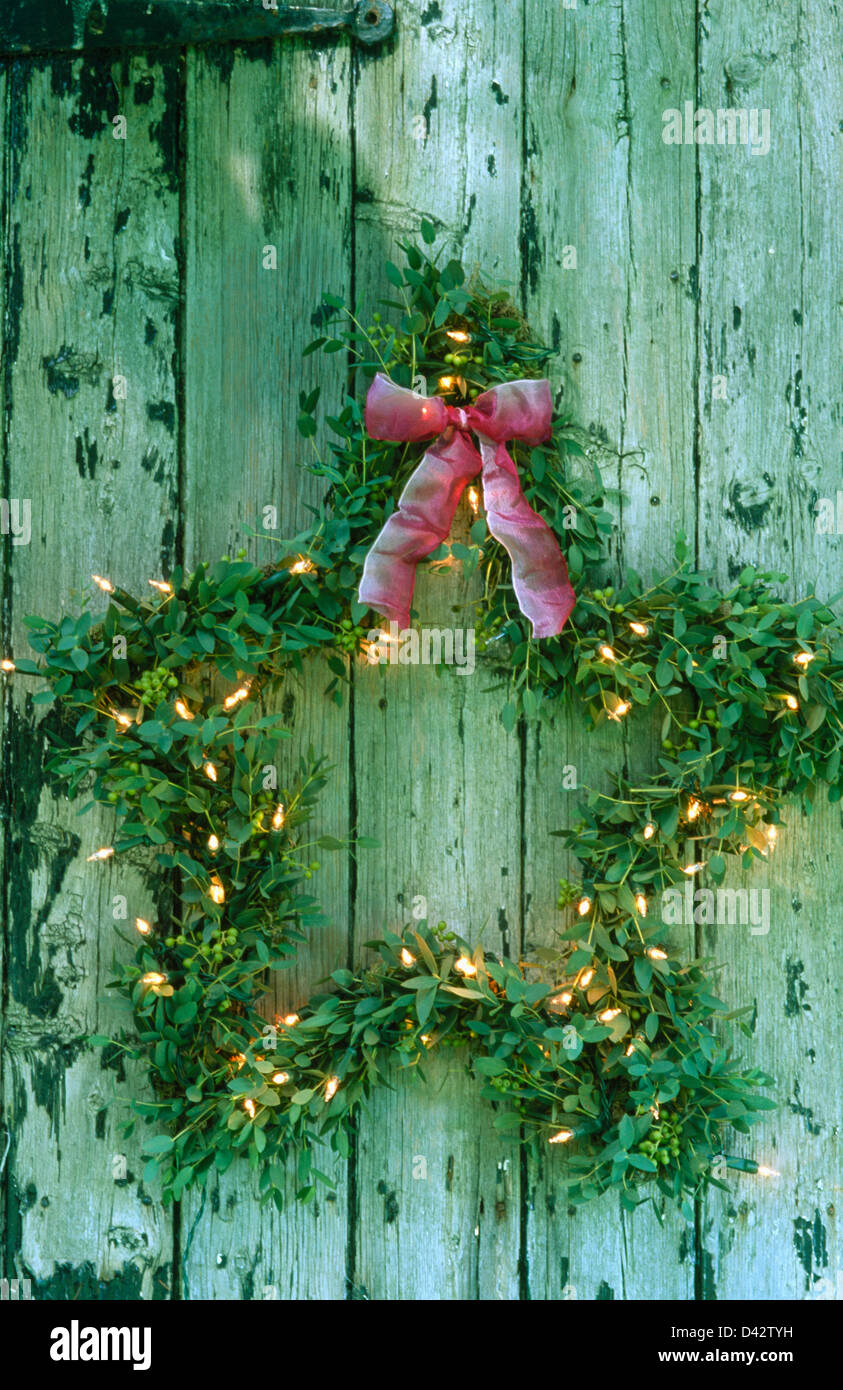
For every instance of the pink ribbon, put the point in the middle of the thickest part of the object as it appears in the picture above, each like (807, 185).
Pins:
(513, 410)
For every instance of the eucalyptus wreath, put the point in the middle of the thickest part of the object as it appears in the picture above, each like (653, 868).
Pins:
(606, 1044)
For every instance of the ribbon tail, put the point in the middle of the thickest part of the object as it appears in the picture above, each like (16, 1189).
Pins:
(423, 519)
(539, 573)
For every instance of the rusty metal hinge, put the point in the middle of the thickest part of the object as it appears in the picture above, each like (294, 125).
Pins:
(71, 26)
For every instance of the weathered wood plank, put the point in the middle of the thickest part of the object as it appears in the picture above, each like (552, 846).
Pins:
(770, 318)
(599, 257)
(438, 131)
(263, 172)
(92, 296)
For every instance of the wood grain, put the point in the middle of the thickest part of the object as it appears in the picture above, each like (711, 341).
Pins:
(438, 132)
(699, 337)
(770, 324)
(91, 294)
(259, 171)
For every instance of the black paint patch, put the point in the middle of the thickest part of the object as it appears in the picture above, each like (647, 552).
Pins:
(530, 253)
(432, 12)
(71, 1282)
(144, 90)
(86, 454)
(152, 462)
(750, 516)
(605, 1293)
(97, 98)
(120, 220)
(390, 1203)
(709, 1288)
(431, 104)
(84, 194)
(796, 989)
(736, 317)
(165, 132)
(67, 368)
(809, 1241)
(492, 166)
(500, 95)
(150, 332)
(165, 411)
(804, 1111)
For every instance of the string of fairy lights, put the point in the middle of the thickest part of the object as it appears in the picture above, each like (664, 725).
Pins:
(697, 809)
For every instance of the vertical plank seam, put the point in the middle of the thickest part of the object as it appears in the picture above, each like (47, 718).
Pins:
(5, 631)
(630, 268)
(351, 1166)
(179, 1269)
(523, 1167)
(699, 1232)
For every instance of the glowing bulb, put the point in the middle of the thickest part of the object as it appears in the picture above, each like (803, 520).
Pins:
(564, 998)
(302, 566)
(649, 831)
(407, 958)
(216, 892)
(584, 906)
(249, 1107)
(656, 953)
(654, 1111)
(586, 978)
(183, 711)
(772, 835)
(739, 796)
(281, 1078)
(161, 585)
(474, 499)
(694, 808)
(279, 817)
(7, 665)
(447, 383)
(458, 336)
(105, 584)
(425, 1038)
(104, 853)
(332, 1087)
(767, 1172)
(122, 719)
(629, 1050)
(621, 708)
(640, 629)
(213, 843)
(231, 700)
(211, 771)
(562, 1136)
(693, 868)
(803, 659)
(143, 926)
(607, 654)
(290, 1020)
(465, 966)
(641, 904)
(607, 1015)
(792, 702)
(153, 978)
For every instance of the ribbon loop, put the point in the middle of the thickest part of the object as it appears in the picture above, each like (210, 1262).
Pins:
(514, 410)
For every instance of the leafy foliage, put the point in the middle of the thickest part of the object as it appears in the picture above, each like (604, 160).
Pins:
(605, 1043)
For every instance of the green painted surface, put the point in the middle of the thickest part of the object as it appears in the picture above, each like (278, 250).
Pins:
(695, 294)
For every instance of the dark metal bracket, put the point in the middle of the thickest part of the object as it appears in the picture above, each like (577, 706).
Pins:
(72, 26)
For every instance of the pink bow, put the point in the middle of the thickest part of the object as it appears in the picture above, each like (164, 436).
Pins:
(513, 410)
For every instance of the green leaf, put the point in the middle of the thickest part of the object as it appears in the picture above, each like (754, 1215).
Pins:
(158, 1144)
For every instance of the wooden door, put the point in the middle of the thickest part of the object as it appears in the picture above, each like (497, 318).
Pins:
(694, 292)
